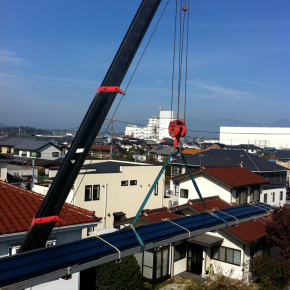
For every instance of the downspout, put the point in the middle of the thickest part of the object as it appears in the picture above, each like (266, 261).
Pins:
(105, 215)
(172, 260)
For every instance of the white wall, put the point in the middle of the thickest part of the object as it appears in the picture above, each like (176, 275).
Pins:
(276, 193)
(259, 136)
(208, 187)
(46, 152)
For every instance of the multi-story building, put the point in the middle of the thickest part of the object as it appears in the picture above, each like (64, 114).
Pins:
(164, 119)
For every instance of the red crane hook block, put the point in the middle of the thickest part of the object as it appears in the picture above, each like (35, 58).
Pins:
(177, 129)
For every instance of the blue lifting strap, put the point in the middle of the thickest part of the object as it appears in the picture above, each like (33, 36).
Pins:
(198, 192)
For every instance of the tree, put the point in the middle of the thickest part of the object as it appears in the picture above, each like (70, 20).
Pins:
(278, 230)
(119, 276)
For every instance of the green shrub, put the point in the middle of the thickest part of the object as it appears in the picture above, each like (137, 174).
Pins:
(119, 276)
(272, 273)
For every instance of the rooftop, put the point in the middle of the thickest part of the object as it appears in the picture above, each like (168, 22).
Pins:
(234, 176)
(231, 157)
(18, 206)
(32, 145)
(152, 215)
(283, 154)
(111, 166)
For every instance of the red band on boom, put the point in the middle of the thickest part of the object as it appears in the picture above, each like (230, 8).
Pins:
(45, 220)
(110, 90)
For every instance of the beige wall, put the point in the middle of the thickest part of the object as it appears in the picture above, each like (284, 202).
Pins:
(5, 149)
(3, 171)
(127, 199)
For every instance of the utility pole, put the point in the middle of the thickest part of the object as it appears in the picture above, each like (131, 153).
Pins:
(32, 181)
(19, 132)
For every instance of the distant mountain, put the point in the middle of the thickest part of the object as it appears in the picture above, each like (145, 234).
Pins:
(3, 125)
(279, 123)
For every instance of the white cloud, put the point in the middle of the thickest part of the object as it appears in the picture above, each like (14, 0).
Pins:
(7, 56)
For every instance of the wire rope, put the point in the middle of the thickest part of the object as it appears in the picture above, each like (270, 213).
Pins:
(186, 58)
(138, 62)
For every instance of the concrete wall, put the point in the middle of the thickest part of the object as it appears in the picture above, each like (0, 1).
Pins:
(259, 136)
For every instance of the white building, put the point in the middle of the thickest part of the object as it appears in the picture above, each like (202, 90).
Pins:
(148, 132)
(259, 136)
(165, 117)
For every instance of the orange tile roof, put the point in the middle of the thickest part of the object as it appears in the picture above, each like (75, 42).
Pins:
(190, 151)
(18, 206)
(250, 231)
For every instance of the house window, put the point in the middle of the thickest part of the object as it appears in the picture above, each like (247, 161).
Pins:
(55, 154)
(265, 198)
(24, 153)
(184, 193)
(156, 189)
(88, 192)
(133, 182)
(281, 195)
(226, 255)
(177, 186)
(273, 197)
(35, 154)
(124, 183)
(16, 152)
(179, 252)
(89, 230)
(96, 192)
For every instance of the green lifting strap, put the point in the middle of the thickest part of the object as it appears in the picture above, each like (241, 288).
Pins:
(198, 192)
(152, 188)
(138, 238)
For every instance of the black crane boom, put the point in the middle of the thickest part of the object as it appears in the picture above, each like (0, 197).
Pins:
(38, 234)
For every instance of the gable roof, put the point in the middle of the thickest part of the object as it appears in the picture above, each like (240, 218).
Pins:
(152, 216)
(33, 145)
(160, 150)
(234, 176)
(231, 157)
(103, 147)
(18, 206)
(211, 203)
(248, 231)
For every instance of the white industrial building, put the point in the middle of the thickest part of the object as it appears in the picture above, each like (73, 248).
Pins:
(164, 119)
(259, 136)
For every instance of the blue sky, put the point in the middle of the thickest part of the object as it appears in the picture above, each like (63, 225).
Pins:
(54, 55)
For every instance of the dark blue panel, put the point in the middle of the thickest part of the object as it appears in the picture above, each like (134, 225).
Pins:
(40, 262)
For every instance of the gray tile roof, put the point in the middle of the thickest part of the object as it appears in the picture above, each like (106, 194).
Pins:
(12, 141)
(110, 166)
(282, 154)
(216, 157)
(32, 145)
(161, 150)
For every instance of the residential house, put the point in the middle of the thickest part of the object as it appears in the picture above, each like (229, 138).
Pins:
(103, 151)
(37, 149)
(19, 206)
(116, 189)
(234, 184)
(209, 146)
(7, 145)
(273, 193)
(161, 153)
(228, 250)
(283, 158)
(248, 147)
